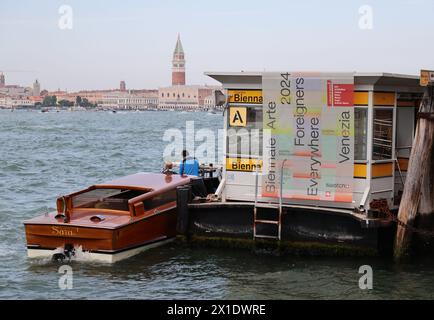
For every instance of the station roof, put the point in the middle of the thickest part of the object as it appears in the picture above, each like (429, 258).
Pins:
(360, 78)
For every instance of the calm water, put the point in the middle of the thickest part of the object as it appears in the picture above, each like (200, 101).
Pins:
(43, 155)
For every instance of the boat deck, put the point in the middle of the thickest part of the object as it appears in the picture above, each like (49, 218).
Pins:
(82, 219)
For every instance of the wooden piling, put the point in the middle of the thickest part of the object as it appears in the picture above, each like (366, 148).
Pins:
(426, 205)
(419, 170)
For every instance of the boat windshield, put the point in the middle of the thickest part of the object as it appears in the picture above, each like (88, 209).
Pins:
(113, 199)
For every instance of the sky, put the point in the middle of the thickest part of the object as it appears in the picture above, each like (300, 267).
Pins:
(134, 40)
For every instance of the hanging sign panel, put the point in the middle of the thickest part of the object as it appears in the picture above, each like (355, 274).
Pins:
(237, 116)
(426, 77)
(308, 122)
(245, 96)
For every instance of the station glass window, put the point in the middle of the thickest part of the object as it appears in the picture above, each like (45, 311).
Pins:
(383, 134)
(360, 133)
(246, 140)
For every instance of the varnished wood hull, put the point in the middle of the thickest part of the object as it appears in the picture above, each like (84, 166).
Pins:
(99, 256)
(132, 237)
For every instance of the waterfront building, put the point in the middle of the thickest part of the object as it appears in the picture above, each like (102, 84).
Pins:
(140, 100)
(93, 96)
(61, 95)
(113, 98)
(2, 101)
(8, 102)
(12, 90)
(210, 104)
(191, 97)
(16, 91)
(36, 99)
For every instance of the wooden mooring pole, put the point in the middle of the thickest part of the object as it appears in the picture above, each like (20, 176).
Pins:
(418, 184)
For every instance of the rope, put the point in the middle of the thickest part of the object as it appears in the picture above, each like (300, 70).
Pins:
(382, 206)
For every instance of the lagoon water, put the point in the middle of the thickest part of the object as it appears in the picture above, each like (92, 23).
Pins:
(43, 155)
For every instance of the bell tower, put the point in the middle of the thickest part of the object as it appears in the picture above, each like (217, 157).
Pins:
(178, 64)
(2, 80)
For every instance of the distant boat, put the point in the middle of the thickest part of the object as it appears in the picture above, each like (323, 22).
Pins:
(77, 108)
(44, 110)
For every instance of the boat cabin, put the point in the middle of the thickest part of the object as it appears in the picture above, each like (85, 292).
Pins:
(336, 140)
(132, 196)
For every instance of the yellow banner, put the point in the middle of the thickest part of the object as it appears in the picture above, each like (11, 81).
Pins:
(243, 164)
(384, 99)
(245, 96)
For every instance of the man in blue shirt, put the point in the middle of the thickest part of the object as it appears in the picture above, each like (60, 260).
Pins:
(188, 165)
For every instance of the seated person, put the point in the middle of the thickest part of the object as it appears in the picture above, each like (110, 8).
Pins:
(188, 165)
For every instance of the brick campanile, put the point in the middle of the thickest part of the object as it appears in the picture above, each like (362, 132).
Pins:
(178, 64)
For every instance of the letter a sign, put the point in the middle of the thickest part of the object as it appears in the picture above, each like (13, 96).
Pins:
(237, 116)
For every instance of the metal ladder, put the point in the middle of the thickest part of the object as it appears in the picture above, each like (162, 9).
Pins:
(278, 207)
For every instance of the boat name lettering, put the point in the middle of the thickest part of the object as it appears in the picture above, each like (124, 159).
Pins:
(62, 231)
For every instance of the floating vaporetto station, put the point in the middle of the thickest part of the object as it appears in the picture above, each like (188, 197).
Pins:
(314, 162)
(337, 144)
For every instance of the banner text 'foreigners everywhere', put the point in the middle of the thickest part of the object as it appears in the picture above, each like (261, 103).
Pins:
(311, 120)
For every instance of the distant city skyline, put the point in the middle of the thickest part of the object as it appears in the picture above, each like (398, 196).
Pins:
(132, 41)
(179, 96)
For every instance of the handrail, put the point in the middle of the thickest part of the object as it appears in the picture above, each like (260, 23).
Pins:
(280, 198)
(219, 190)
(256, 184)
(362, 204)
(256, 200)
(281, 184)
(399, 168)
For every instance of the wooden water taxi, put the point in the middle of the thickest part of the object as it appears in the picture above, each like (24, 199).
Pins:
(109, 221)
